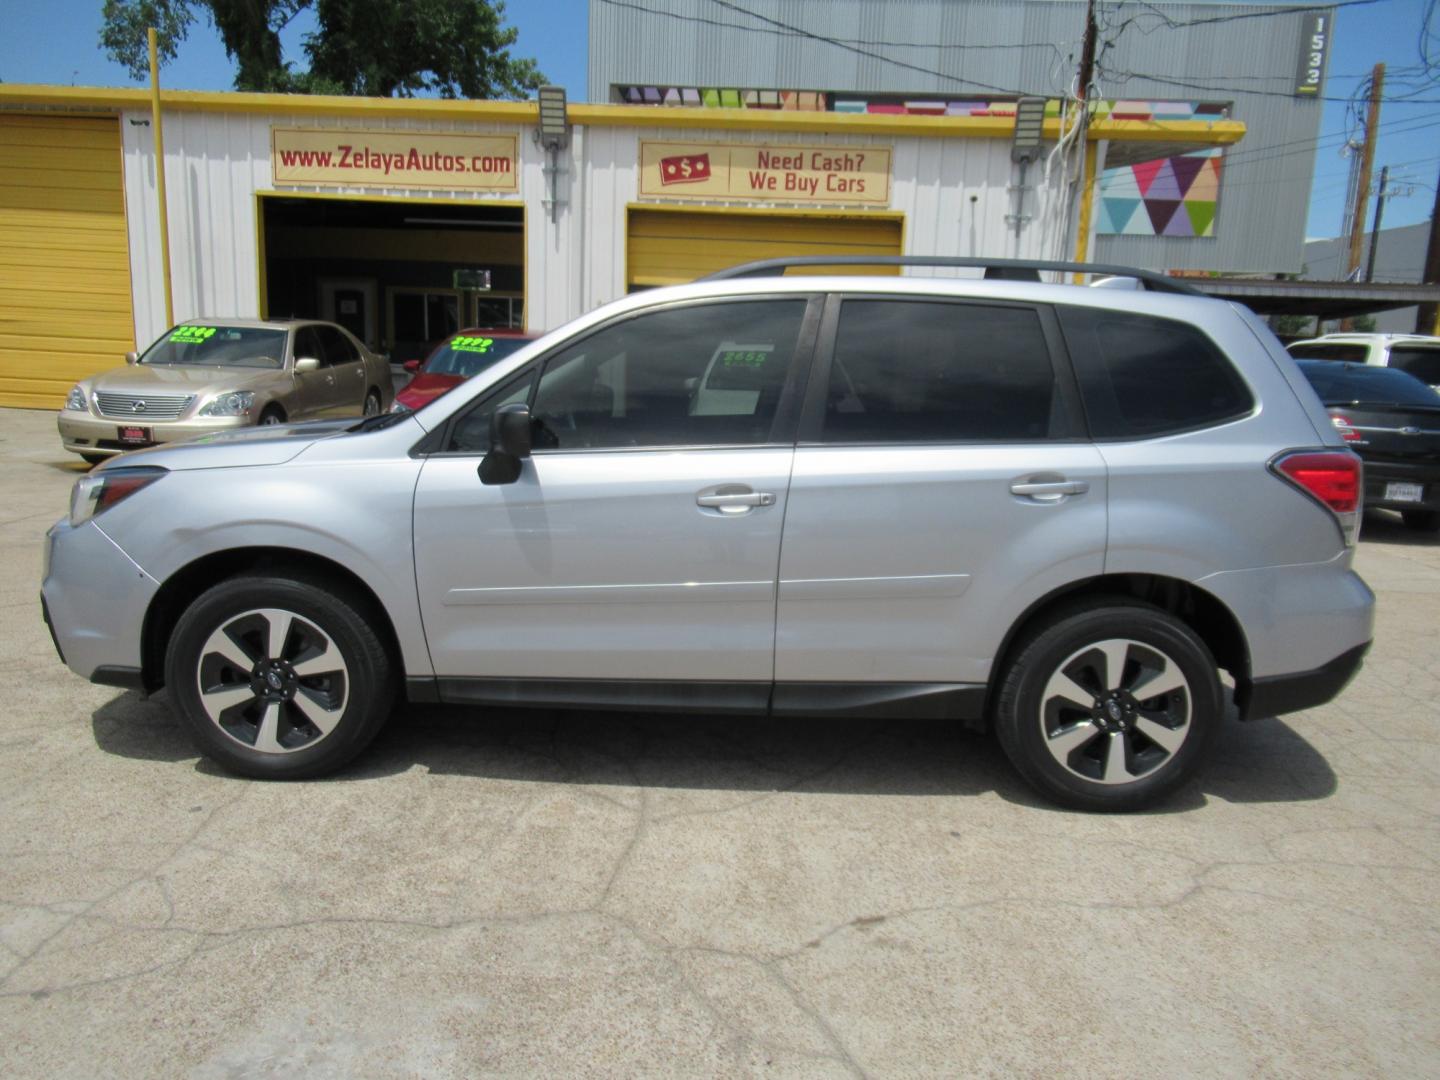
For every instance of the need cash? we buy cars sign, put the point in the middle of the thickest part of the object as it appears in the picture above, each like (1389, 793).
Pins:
(394, 159)
(802, 174)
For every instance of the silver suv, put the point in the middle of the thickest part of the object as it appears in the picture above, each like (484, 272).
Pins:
(1055, 511)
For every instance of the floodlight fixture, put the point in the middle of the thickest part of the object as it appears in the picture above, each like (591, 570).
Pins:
(1029, 129)
(554, 132)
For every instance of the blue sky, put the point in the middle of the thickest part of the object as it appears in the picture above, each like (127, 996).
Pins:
(56, 41)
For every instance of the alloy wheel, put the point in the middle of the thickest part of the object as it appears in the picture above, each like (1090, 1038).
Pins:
(1115, 711)
(272, 680)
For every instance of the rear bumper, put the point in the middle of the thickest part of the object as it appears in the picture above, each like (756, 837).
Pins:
(1378, 474)
(1279, 694)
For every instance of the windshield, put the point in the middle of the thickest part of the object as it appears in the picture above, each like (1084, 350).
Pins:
(219, 346)
(467, 355)
(1353, 384)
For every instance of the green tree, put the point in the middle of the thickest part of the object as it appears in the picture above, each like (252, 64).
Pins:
(452, 48)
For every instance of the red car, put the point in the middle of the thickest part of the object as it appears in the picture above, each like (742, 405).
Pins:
(454, 360)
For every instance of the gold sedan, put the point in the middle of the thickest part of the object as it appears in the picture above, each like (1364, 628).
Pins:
(212, 375)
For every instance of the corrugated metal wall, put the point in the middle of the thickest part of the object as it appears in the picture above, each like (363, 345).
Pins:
(1265, 193)
(952, 192)
(215, 162)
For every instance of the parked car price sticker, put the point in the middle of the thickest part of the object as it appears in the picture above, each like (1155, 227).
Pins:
(193, 334)
(471, 344)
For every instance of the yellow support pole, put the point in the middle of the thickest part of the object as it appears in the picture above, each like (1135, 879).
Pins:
(160, 179)
(1087, 209)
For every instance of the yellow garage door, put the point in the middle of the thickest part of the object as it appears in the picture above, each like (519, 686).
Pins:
(64, 263)
(668, 247)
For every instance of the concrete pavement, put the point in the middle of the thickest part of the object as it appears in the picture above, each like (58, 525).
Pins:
(571, 894)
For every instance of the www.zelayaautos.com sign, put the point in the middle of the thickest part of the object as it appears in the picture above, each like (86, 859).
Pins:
(394, 159)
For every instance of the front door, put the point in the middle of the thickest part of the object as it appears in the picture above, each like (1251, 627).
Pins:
(642, 539)
(314, 390)
(941, 485)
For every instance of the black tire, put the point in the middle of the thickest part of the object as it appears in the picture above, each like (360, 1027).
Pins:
(1029, 726)
(93, 459)
(322, 613)
(271, 414)
(372, 404)
(1422, 520)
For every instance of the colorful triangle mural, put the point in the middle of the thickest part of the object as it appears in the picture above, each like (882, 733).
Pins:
(1186, 168)
(1202, 217)
(1162, 186)
(1145, 174)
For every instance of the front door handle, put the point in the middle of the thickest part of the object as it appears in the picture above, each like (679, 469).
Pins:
(1049, 490)
(735, 502)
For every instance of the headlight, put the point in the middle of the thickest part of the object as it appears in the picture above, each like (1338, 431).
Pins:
(233, 404)
(97, 492)
(76, 400)
(400, 406)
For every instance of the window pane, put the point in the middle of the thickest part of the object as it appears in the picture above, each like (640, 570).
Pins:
(1354, 353)
(471, 433)
(338, 349)
(410, 317)
(1419, 361)
(1143, 376)
(1349, 385)
(691, 376)
(442, 316)
(913, 371)
(307, 343)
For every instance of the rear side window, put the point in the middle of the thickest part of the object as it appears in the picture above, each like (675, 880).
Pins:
(338, 348)
(1354, 354)
(916, 371)
(1422, 362)
(1142, 376)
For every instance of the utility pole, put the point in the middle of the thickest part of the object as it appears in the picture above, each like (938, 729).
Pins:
(1380, 197)
(1362, 189)
(1367, 166)
(1087, 51)
(1427, 319)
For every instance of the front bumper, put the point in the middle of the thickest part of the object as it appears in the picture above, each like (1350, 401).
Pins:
(94, 598)
(86, 433)
(1378, 474)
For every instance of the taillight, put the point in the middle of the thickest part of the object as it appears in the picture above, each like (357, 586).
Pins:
(1332, 478)
(1347, 432)
(98, 491)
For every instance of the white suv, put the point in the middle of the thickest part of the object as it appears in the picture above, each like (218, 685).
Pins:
(1060, 512)
(1414, 354)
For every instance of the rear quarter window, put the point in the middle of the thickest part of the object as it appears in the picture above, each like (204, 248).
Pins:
(1422, 361)
(1142, 376)
(1350, 354)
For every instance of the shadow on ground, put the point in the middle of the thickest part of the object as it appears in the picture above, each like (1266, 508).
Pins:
(1385, 527)
(1261, 762)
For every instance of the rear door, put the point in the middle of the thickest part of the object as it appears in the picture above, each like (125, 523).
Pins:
(347, 383)
(641, 540)
(942, 483)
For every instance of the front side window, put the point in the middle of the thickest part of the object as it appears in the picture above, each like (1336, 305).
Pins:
(924, 371)
(308, 346)
(1142, 376)
(700, 375)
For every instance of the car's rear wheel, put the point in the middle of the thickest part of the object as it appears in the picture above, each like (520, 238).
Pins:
(372, 403)
(1109, 707)
(279, 678)
(1422, 520)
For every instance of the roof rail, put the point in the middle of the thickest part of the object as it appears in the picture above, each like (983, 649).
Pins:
(1008, 269)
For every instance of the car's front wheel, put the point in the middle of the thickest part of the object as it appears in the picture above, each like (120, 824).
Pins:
(1110, 706)
(279, 678)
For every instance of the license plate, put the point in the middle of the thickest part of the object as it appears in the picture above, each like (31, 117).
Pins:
(142, 435)
(1397, 492)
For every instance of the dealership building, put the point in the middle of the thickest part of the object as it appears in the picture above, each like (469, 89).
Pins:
(406, 219)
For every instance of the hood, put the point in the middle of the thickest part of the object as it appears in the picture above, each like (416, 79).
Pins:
(272, 444)
(425, 388)
(181, 378)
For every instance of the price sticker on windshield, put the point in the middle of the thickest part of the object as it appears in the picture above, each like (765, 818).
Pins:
(192, 335)
(472, 344)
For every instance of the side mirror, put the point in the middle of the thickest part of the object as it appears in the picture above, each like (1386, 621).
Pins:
(132, 358)
(509, 444)
(306, 363)
(412, 366)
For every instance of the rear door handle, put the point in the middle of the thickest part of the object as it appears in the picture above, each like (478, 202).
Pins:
(736, 503)
(1049, 490)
